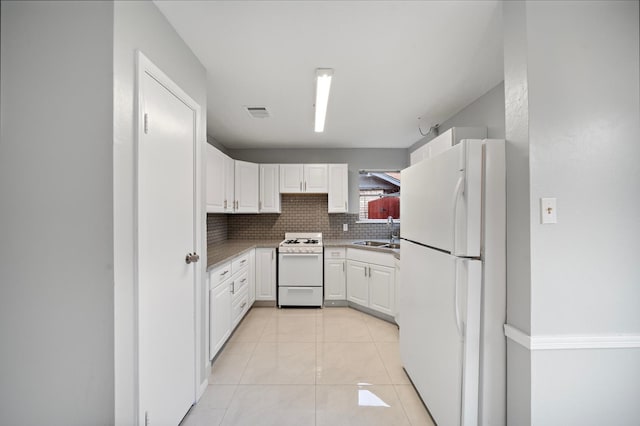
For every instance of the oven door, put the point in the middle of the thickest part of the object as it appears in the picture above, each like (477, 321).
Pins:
(300, 270)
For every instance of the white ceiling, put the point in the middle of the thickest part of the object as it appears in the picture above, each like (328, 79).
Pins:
(393, 61)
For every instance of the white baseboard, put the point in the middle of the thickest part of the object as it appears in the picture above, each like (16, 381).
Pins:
(202, 389)
(568, 341)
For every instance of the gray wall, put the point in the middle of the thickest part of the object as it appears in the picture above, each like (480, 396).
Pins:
(140, 25)
(486, 111)
(573, 126)
(56, 226)
(390, 159)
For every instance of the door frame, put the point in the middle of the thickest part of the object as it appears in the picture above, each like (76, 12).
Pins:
(145, 66)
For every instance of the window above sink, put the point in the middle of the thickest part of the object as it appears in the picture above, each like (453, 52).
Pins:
(379, 195)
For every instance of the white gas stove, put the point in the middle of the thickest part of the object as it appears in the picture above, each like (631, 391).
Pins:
(301, 242)
(300, 260)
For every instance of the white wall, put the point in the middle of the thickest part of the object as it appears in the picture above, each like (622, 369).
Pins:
(390, 159)
(140, 25)
(56, 223)
(573, 126)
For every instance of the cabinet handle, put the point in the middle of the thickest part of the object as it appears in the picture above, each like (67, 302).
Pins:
(342, 266)
(272, 251)
(244, 280)
(243, 305)
(225, 204)
(243, 260)
(233, 287)
(224, 273)
(365, 271)
(300, 186)
(305, 186)
(345, 206)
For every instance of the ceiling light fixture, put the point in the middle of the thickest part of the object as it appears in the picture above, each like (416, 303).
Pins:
(323, 84)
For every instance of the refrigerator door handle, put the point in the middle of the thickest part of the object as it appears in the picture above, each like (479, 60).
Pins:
(459, 324)
(457, 192)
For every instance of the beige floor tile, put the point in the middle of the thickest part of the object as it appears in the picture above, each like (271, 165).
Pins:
(413, 406)
(341, 312)
(250, 329)
(290, 329)
(298, 312)
(342, 329)
(382, 331)
(230, 364)
(390, 355)
(260, 313)
(204, 417)
(349, 363)
(271, 405)
(217, 396)
(358, 405)
(281, 363)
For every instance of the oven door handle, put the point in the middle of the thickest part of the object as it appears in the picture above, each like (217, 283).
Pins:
(300, 254)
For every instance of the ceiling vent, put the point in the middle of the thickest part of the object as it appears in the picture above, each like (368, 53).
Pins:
(257, 111)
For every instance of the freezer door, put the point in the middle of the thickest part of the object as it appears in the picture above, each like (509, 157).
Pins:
(441, 200)
(439, 337)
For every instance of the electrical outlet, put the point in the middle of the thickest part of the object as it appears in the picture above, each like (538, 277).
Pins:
(345, 227)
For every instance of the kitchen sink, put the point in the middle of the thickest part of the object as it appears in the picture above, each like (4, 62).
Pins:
(392, 245)
(371, 243)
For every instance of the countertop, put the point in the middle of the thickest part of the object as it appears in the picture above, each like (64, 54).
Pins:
(222, 252)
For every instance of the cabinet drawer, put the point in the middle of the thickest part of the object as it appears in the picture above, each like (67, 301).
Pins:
(239, 262)
(369, 256)
(239, 307)
(219, 274)
(334, 253)
(239, 284)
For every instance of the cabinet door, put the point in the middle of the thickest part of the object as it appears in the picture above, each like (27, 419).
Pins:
(316, 179)
(229, 184)
(335, 279)
(291, 177)
(219, 317)
(382, 288)
(338, 188)
(215, 180)
(265, 274)
(246, 187)
(269, 188)
(357, 282)
(252, 277)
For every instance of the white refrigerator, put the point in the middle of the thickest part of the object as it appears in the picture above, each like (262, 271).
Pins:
(453, 293)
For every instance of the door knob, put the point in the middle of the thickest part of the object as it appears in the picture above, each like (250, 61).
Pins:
(191, 257)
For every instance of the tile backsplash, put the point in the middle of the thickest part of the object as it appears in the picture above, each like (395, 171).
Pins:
(300, 213)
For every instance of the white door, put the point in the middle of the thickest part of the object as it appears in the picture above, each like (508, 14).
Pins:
(291, 177)
(269, 188)
(439, 337)
(215, 180)
(246, 187)
(334, 279)
(381, 288)
(315, 178)
(441, 200)
(357, 282)
(265, 274)
(338, 188)
(166, 208)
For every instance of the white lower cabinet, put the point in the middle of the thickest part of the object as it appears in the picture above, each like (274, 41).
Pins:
(371, 280)
(335, 274)
(266, 274)
(230, 287)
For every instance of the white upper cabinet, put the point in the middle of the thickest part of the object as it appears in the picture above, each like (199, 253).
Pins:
(315, 179)
(246, 187)
(220, 181)
(229, 184)
(446, 140)
(303, 178)
(215, 180)
(338, 188)
(291, 177)
(269, 188)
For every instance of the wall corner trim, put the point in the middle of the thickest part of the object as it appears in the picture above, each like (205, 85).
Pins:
(568, 341)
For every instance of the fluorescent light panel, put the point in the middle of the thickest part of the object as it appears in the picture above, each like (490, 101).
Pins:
(323, 85)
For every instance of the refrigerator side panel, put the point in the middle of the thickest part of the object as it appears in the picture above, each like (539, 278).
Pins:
(431, 336)
(469, 277)
(493, 374)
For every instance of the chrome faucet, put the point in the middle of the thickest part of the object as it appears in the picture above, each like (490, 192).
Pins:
(390, 226)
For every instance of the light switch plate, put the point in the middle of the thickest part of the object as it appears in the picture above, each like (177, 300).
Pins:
(548, 211)
(345, 227)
